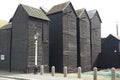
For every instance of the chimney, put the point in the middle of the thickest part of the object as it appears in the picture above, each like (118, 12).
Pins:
(117, 28)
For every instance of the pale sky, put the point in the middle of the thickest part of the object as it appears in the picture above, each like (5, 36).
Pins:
(108, 10)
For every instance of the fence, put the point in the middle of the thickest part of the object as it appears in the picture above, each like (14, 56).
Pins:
(65, 73)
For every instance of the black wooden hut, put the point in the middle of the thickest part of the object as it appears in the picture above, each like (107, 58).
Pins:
(63, 39)
(5, 46)
(95, 33)
(110, 56)
(25, 23)
(83, 40)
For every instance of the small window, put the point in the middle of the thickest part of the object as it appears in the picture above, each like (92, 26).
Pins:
(115, 51)
(2, 57)
(45, 32)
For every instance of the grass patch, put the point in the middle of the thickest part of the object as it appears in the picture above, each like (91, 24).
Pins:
(86, 76)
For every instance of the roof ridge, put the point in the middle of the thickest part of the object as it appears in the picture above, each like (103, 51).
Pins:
(68, 2)
(91, 14)
(83, 10)
(58, 7)
(80, 13)
(117, 37)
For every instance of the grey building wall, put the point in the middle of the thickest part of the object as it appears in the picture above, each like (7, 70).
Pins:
(69, 39)
(63, 41)
(5, 42)
(23, 47)
(19, 40)
(36, 25)
(95, 39)
(84, 36)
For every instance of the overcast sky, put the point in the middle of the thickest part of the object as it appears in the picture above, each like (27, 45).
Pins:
(108, 10)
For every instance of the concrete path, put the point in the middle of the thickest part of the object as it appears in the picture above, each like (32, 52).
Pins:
(31, 76)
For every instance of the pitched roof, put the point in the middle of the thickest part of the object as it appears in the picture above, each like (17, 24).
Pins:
(79, 12)
(7, 26)
(58, 8)
(116, 37)
(34, 12)
(2, 23)
(92, 13)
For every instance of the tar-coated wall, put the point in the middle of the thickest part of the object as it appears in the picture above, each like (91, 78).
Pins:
(110, 44)
(5, 42)
(63, 41)
(23, 47)
(69, 39)
(95, 39)
(55, 42)
(19, 40)
(110, 56)
(83, 35)
(42, 27)
(109, 60)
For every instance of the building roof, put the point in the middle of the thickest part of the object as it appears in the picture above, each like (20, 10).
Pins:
(58, 8)
(34, 12)
(80, 12)
(7, 26)
(92, 13)
(116, 37)
(2, 23)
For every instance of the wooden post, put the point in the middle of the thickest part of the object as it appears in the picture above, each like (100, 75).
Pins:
(53, 71)
(113, 74)
(95, 73)
(41, 69)
(65, 71)
(79, 72)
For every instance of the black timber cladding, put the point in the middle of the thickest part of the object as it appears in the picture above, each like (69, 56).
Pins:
(83, 40)
(63, 39)
(110, 55)
(5, 42)
(55, 41)
(26, 22)
(74, 39)
(95, 35)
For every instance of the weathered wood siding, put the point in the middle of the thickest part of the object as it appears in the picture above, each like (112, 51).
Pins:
(85, 53)
(69, 39)
(36, 25)
(19, 40)
(95, 39)
(63, 40)
(5, 42)
(23, 47)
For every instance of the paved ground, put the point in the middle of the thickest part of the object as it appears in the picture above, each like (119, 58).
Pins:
(1, 78)
(31, 76)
